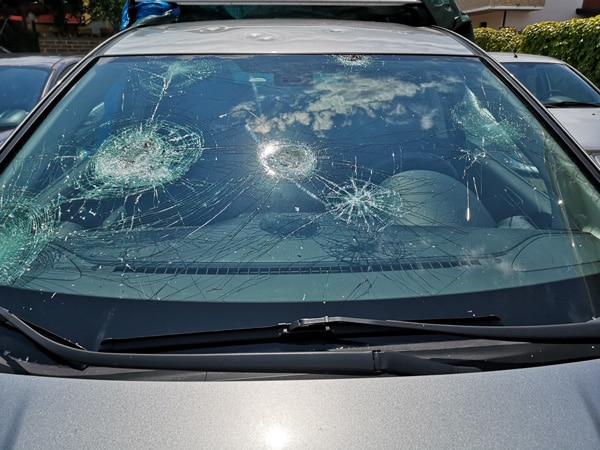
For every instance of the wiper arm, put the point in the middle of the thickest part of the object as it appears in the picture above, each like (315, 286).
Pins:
(371, 362)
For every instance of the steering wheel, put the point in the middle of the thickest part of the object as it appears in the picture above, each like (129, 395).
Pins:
(425, 161)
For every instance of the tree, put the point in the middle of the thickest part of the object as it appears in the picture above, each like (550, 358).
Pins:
(109, 10)
(60, 8)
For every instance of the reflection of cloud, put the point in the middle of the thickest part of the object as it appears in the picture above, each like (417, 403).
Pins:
(345, 95)
(341, 97)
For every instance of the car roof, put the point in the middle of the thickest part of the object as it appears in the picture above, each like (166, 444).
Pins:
(292, 36)
(35, 60)
(445, 13)
(510, 57)
(299, 2)
(344, 3)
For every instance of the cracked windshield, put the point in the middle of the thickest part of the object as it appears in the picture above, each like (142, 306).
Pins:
(292, 178)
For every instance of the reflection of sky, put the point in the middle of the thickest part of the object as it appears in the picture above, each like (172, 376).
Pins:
(287, 198)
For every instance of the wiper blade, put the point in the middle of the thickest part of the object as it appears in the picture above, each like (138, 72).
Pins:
(572, 104)
(299, 332)
(368, 362)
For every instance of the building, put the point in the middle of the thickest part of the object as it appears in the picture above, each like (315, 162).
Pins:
(520, 13)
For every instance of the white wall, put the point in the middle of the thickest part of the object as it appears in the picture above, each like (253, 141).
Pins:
(555, 10)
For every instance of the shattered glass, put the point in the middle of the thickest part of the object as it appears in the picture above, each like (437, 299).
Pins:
(291, 178)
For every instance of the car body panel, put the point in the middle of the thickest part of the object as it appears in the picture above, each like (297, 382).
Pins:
(292, 36)
(583, 124)
(505, 409)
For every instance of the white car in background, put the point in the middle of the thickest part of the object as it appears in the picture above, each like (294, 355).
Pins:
(570, 96)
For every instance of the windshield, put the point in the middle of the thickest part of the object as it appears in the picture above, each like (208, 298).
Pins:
(356, 184)
(553, 83)
(20, 89)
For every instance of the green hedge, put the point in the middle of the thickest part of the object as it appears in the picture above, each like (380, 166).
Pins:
(502, 40)
(576, 41)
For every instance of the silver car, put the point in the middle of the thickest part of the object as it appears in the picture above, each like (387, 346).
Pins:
(571, 97)
(313, 227)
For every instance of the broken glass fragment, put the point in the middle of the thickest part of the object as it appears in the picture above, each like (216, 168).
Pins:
(477, 121)
(180, 73)
(288, 160)
(354, 60)
(140, 158)
(25, 229)
(364, 204)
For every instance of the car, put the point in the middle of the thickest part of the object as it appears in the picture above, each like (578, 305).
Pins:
(296, 225)
(24, 79)
(571, 97)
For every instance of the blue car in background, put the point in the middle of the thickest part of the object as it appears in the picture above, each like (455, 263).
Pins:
(24, 80)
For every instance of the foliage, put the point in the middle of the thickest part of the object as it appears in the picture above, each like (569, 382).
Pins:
(109, 10)
(58, 8)
(502, 40)
(71, 6)
(576, 41)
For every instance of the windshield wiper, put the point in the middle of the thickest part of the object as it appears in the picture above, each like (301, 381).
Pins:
(572, 104)
(582, 332)
(337, 329)
(331, 330)
(365, 362)
(354, 362)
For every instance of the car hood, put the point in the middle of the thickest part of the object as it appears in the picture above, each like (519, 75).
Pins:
(582, 123)
(547, 407)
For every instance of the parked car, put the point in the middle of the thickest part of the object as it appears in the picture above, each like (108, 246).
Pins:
(572, 98)
(24, 79)
(281, 227)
